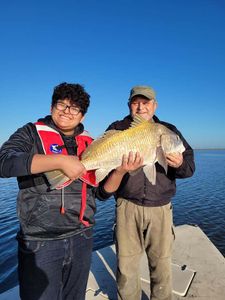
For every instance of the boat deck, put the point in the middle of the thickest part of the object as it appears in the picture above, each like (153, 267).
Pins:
(194, 249)
(198, 270)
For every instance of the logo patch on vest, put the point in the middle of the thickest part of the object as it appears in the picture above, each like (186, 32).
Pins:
(55, 148)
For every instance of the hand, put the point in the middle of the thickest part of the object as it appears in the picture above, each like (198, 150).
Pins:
(174, 160)
(130, 163)
(72, 167)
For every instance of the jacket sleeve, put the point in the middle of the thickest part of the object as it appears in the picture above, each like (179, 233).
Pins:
(16, 154)
(187, 168)
(101, 193)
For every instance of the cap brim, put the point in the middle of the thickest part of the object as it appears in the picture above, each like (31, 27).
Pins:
(141, 94)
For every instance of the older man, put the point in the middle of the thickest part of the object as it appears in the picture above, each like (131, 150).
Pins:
(144, 221)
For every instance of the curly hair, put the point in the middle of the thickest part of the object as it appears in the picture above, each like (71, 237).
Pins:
(73, 92)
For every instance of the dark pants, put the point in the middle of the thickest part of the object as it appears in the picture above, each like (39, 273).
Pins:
(55, 270)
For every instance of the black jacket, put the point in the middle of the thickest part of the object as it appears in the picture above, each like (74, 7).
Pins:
(38, 207)
(138, 189)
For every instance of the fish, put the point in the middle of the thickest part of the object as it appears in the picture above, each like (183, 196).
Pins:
(152, 140)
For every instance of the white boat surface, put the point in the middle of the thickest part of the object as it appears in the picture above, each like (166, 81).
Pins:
(198, 270)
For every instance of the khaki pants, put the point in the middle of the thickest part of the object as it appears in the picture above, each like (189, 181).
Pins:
(140, 229)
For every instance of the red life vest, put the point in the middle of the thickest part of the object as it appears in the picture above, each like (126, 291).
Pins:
(51, 140)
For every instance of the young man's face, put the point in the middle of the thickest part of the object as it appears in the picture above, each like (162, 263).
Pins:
(66, 116)
(143, 107)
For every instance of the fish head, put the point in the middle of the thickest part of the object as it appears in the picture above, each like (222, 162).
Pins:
(171, 143)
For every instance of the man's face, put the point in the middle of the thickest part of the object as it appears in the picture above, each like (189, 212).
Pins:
(143, 107)
(66, 116)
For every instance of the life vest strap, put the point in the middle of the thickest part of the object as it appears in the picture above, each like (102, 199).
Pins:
(83, 204)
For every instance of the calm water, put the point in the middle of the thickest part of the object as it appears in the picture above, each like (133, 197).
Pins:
(199, 200)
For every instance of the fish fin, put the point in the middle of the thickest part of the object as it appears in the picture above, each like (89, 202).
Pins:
(105, 135)
(53, 174)
(161, 158)
(100, 174)
(108, 133)
(56, 179)
(137, 121)
(62, 184)
(150, 173)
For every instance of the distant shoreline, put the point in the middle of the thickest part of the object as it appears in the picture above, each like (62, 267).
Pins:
(209, 149)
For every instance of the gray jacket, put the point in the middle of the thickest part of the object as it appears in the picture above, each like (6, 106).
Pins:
(38, 207)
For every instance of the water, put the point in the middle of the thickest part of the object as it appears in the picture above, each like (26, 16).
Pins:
(199, 200)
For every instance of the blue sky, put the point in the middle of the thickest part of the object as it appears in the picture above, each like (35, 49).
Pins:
(176, 46)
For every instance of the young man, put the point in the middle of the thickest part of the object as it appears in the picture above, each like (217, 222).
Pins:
(55, 237)
(144, 220)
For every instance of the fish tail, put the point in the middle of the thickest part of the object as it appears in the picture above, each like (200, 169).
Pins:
(56, 179)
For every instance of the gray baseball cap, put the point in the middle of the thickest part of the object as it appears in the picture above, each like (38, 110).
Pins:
(143, 90)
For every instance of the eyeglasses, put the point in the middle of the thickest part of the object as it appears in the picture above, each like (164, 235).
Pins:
(72, 109)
